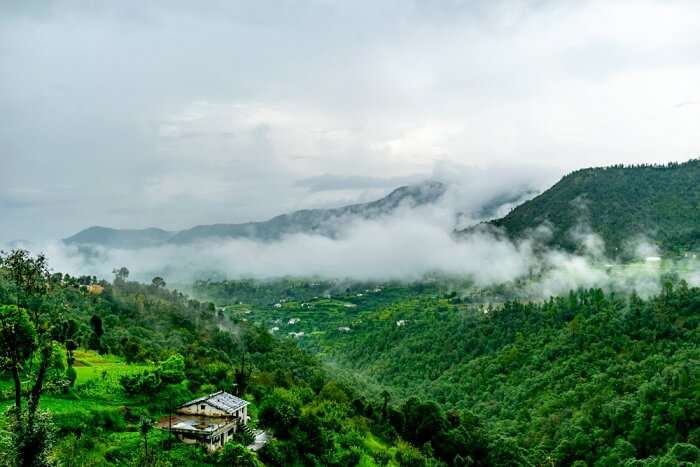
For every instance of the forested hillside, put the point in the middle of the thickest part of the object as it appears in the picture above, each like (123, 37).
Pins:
(618, 203)
(593, 378)
(89, 366)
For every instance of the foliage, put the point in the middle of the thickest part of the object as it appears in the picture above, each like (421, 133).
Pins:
(236, 455)
(30, 441)
(592, 376)
(152, 349)
(618, 203)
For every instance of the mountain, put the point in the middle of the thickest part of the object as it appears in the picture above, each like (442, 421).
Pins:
(325, 222)
(120, 238)
(661, 203)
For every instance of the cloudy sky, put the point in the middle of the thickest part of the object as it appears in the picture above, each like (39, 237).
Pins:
(177, 113)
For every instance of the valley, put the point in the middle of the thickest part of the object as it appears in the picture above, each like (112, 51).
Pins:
(379, 233)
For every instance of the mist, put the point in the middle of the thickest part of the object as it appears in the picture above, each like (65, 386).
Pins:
(406, 246)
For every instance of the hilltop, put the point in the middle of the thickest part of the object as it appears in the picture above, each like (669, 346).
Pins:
(619, 203)
(120, 238)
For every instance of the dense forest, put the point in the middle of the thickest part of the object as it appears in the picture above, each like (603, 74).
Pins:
(375, 374)
(89, 366)
(589, 378)
(619, 203)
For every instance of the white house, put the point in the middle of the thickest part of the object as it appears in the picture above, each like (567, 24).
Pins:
(210, 420)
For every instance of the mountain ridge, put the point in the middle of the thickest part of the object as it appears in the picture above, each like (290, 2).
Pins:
(621, 204)
(326, 222)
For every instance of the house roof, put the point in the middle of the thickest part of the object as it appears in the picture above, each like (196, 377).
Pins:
(221, 400)
(195, 424)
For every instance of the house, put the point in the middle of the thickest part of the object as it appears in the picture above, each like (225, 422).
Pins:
(210, 420)
(95, 289)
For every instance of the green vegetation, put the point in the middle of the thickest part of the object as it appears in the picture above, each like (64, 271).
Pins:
(593, 378)
(618, 203)
(113, 358)
(348, 373)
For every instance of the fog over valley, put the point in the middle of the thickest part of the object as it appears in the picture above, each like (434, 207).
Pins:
(407, 241)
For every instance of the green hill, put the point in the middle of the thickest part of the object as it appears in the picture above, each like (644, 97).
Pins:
(585, 379)
(112, 358)
(618, 203)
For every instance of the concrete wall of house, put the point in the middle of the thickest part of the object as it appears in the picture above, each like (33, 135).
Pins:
(186, 440)
(217, 440)
(207, 410)
(202, 408)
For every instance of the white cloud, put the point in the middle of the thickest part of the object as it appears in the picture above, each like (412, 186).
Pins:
(406, 246)
(171, 114)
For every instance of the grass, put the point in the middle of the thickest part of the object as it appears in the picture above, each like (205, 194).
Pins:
(89, 365)
(97, 388)
(374, 446)
(98, 376)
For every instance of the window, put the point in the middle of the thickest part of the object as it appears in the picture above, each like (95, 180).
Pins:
(201, 407)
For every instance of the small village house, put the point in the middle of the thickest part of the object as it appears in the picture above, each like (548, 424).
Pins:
(210, 420)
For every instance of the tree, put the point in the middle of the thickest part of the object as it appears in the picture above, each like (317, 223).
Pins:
(236, 455)
(24, 340)
(17, 344)
(158, 282)
(30, 429)
(280, 411)
(30, 445)
(386, 397)
(242, 376)
(97, 332)
(172, 370)
(30, 277)
(71, 347)
(120, 274)
(144, 429)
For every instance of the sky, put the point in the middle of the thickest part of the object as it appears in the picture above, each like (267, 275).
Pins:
(177, 113)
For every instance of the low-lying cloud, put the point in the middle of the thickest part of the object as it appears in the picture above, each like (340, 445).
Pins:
(406, 246)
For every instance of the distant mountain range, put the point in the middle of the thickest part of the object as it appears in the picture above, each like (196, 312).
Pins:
(621, 204)
(326, 222)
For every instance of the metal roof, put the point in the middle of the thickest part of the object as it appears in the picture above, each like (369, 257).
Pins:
(221, 400)
(195, 423)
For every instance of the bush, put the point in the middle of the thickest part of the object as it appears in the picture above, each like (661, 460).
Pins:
(71, 375)
(236, 455)
(172, 370)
